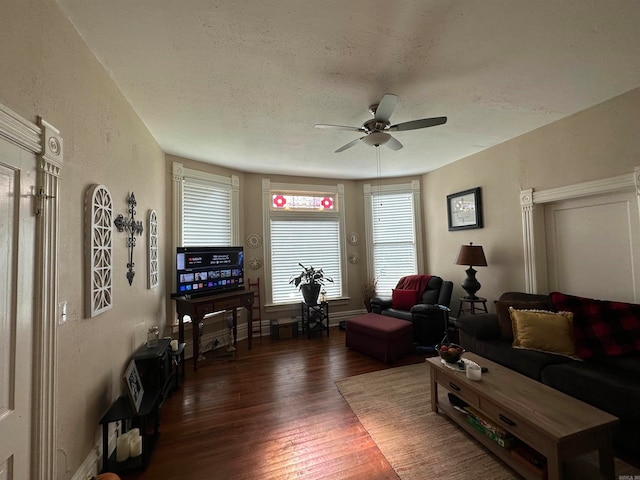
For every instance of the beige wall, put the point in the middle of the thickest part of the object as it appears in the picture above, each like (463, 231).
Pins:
(49, 72)
(600, 142)
(46, 70)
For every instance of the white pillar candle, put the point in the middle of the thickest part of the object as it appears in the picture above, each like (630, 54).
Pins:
(123, 449)
(174, 345)
(474, 372)
(134, 432)
(136, 446)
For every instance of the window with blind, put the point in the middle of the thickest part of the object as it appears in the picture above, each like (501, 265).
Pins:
(310, 242)
(303, 224)
(393, 225)
(206, 213)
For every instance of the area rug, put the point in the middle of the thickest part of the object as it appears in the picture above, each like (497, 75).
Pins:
(393, 405)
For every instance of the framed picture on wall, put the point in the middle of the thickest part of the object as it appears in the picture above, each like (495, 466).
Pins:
(464, 209)
(134, 385)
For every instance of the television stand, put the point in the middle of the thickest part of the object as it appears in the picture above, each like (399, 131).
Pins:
(198, 307)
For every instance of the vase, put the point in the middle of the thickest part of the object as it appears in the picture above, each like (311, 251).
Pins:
(310, 292)
(367, 305)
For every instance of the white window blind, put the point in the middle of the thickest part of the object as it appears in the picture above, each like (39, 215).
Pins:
(206, 213)
(394, 242)
(310, 242)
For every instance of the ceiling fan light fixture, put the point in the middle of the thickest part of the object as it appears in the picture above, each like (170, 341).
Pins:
(375, 139)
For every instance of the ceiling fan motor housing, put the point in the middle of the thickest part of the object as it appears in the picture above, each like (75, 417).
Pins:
(374, 125)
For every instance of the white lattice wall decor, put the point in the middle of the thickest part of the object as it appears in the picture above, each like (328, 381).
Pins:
(153, 249)
(99, 224)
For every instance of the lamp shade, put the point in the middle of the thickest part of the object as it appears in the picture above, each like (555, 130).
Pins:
(471, 255)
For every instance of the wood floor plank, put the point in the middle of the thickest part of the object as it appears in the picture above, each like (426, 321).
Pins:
(272, 412)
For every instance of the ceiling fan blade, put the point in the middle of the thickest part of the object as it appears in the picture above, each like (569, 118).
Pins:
(386, 107)
(339, 127)
(393, 143)
(348, 145)
(415, 124)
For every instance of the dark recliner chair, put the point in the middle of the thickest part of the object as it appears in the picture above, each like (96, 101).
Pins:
(429, 320)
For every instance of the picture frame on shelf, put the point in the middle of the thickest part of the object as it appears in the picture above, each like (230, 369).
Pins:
(135, 390)
(464, 209)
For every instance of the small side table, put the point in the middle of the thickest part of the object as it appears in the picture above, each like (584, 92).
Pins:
(123, 411)
(476, 305)
(315, 318)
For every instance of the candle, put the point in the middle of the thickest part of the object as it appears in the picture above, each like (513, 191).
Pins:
(136, 446)
(174, 345)
(123, 449)
(474, 372)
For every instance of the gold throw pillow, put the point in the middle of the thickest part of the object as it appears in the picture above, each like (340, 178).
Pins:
(543, 330)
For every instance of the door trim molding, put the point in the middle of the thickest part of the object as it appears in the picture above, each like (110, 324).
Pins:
(533, 219)
(45, 141)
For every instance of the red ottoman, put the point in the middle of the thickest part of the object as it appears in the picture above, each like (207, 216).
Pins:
(385, 338)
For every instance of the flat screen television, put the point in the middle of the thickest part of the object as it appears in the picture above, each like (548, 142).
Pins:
(208, 270)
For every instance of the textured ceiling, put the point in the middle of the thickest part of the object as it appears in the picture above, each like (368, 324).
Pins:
(241, 83)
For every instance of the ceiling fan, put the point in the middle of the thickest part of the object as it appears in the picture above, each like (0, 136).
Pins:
(376, 129)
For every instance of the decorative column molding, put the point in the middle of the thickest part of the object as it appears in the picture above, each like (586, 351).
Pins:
(417, 215)
(50, 159)
(266, 234)
(235, 211)
(343, 235)
(368, 229)
(527, 207)
(176, 228)
(636, 175)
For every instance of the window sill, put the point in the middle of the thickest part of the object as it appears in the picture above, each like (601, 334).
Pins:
(286, 307)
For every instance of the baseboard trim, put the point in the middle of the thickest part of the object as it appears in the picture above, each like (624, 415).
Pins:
(90, 466)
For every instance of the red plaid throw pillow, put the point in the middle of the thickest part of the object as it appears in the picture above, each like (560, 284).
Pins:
(601, 328)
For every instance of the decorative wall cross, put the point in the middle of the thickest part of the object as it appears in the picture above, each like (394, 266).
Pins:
(132, 227)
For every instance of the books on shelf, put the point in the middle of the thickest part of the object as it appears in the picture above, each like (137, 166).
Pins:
(485, 426)
(531, 459)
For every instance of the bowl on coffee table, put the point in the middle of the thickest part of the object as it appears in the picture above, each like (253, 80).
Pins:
(450, 352)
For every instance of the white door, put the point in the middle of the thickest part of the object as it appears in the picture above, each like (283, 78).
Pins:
(17, 238)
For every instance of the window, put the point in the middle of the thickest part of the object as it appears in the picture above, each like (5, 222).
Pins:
(205, 209)
(303, 224)
(393, 225)
(206, 213)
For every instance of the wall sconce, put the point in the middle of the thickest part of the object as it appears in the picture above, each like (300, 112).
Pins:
(132, 227)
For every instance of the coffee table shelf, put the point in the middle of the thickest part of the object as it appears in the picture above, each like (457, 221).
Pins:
(501, 452)
(558, 426)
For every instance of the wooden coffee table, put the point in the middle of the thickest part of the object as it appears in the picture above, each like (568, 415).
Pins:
(558, 426)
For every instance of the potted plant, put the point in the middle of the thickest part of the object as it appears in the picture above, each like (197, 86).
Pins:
(310, 281)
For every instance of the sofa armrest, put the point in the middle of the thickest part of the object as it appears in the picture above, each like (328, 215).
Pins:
(426, 309)
(483, 326)
(381, 302)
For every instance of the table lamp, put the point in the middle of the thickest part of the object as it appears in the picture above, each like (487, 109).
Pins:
(471, 255)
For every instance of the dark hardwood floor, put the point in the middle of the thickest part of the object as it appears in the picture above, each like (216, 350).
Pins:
(268, 413)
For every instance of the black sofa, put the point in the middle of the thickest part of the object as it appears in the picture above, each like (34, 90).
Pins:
(610, 383)
(428, 318)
